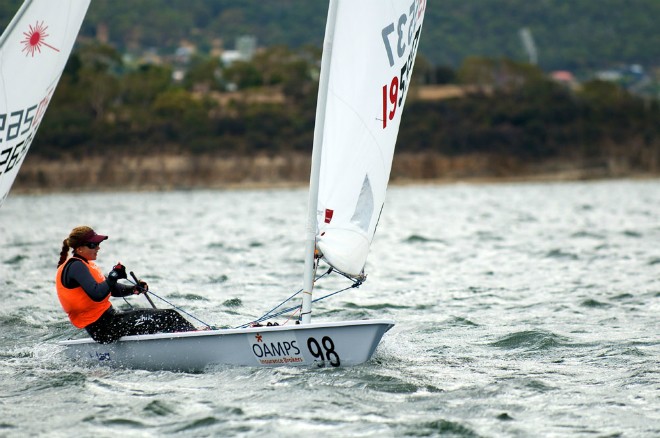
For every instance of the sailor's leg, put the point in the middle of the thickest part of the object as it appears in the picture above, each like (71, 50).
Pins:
(148, 321)
(114, 325)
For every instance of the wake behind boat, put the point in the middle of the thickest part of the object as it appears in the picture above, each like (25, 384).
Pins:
(368, 57)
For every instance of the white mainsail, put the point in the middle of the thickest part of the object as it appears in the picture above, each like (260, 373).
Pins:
(33, 52)
(372, 57)
(368, 57)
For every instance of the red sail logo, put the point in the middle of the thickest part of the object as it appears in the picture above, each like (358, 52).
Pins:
(35, 38)
(328, 215)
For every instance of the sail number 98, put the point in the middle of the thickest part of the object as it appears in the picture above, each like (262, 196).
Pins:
(324, 351)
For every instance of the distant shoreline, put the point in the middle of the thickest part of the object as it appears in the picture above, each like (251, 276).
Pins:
(168, 172)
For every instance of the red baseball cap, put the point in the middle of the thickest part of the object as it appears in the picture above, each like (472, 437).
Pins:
(92, 237)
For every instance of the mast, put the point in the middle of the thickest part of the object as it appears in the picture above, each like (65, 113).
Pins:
(312, 205)
(14, 22)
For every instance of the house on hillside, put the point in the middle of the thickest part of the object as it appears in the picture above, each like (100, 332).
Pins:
(565, 78)
(245, 48)
(633, 78)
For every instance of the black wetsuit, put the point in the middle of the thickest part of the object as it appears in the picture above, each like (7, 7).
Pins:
(112, 325)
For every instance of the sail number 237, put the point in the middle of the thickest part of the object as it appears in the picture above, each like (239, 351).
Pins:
(398, 36)
(324, 351)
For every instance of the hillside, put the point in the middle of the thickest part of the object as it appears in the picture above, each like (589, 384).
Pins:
(158, 122)
(576, 35)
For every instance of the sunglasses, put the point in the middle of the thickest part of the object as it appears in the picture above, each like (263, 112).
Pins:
(92, 245)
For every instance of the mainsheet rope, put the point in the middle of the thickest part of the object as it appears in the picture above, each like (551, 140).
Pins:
(270, 314)
(171, 304)
(298, 307)
(267, 315)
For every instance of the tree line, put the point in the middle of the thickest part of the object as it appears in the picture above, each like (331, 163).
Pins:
(579, 35)
(507, 109)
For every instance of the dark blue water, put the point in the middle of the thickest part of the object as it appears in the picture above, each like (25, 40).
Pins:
(522, 310)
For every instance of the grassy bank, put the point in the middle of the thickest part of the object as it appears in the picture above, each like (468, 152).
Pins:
(181, 172)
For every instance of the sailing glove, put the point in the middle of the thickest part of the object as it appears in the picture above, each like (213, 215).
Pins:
(141, 287)
(118, 272)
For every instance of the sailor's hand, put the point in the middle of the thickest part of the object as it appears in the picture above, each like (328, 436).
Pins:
(119, 270)
(141, 287)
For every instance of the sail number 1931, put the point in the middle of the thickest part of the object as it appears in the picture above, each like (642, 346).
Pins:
(324, 351)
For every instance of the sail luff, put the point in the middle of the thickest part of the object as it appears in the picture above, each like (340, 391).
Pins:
(312, 226)
(3, 39)
(14, 21)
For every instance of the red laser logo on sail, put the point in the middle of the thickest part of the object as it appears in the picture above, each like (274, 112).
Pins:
(35, 39)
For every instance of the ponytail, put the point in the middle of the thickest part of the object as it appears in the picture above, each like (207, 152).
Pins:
(64, 253)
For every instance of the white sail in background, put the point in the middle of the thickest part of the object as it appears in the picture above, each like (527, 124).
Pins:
(372, 56)
(33, 52)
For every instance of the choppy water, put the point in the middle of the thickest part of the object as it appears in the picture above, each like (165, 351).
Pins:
(522, 310)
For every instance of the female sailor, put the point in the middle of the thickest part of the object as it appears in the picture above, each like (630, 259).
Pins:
(84, 292)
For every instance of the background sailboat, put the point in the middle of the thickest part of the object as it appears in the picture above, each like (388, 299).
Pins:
(33, 52)
(368, 56)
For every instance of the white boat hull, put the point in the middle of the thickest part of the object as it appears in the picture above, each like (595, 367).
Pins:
(343, 343)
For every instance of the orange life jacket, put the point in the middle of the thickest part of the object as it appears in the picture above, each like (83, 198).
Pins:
(82, 310)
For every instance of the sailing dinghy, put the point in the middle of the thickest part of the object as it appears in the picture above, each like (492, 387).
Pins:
(368, 56)
(34, 49)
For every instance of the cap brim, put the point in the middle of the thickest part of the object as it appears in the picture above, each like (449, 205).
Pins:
(97, 238)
